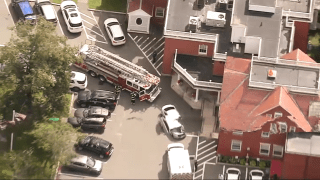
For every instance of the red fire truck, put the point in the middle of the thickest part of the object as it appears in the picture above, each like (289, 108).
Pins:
(116, 70)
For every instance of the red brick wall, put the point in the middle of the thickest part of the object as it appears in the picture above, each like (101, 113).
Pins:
(253, 139)
(312, 168)
(184, 47)
(218, 68)
(301, 36)
(293, 166)
(158, 3)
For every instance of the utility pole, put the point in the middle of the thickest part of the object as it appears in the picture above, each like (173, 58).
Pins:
(13, 114)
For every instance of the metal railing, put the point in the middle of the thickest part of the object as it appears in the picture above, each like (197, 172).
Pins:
(202, 36)
(193, 81)
(290, 88)
(286, 62)
(296, 14)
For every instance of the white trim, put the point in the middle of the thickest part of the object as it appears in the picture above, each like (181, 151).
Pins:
(163, 12)
(237, 133)
(236, 141)
(281, 124)
(277, 146)
(203, 47)
(277, 114)
(264, 135)
(266, 144)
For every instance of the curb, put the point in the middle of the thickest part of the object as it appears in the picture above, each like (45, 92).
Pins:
(107, 11)
(72, 102)
(56, 4)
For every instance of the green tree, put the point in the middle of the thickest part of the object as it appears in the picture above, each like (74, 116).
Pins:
(57, 138)
(37, 68)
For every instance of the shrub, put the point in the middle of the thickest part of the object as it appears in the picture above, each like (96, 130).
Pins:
(233, 160)
(253, 163)
(243, 161)
(225, 159)
(268, 164)
(262, 164)
(220, 158)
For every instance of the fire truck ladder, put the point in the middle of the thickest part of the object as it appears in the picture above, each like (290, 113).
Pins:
(125, 67)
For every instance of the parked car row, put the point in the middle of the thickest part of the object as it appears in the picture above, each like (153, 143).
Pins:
(234, 174)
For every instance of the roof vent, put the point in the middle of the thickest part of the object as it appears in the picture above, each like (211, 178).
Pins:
(272, 73)
(193, 23)
(216, 19)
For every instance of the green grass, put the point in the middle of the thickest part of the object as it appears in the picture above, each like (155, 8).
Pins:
(59, 1)
(109, 5)
(314, 38)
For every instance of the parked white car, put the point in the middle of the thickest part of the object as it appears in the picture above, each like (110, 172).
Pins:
(78, 81)
(71, 16)
(114, 31)
(256, 175)
(45, 8)
(169, 121)
(232, 174)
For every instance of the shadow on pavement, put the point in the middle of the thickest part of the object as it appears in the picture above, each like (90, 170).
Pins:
(163, 173)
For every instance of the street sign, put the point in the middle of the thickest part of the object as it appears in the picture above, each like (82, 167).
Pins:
(54, 119)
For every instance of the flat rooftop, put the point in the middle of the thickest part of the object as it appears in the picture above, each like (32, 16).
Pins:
(267, 26)
(303, 143)
(198, 67)
(179, 13)
(269, 3)
(295, 5)
(287, 75)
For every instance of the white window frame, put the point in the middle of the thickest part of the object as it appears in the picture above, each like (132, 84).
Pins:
(281, 124)
(277, 114)
(236, 141)
(292, 129)
(264, 135)
(273, 128)
(280, 147)
(201, 47)
(264, 144)
(159, 9)
(237, 133)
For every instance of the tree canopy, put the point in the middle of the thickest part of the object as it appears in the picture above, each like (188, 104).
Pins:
(37, 67)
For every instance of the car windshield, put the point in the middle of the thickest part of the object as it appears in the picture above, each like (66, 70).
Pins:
(178, 130)
(233, 172)
(94, 111)
(90, 162)
(119, 38)
(45, 3)
(74, 14)
(113, 23)
(85, 140)
(169, 108)
(256, 174)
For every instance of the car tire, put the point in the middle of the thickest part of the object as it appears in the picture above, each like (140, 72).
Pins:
(92, 74)
(102, 79)
(83, 105)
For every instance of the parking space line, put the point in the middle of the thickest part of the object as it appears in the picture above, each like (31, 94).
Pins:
(59, 22)
(246, 173)
(208, 150)
(204, 166)
(144, 41)
(135, 37)
(86, 15)
(155, 49)
(139, 39)
(148, 44)
(224, 167)
(191, 135)
(85, 32)
(207, 145)
(88, 22)
(161, 51)
(206, 156)
(93, 39)
(198, 176)
(160, 45)
(109, 120)
(197, 147)
(79, 176)
(207, 161)
(202, 142)
(145, 55)
(94, 32)
(98, 26)
(8, 11)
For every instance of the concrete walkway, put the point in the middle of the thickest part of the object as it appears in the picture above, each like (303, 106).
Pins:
(208, 118)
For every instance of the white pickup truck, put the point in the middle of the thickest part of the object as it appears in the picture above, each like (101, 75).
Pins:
(179, 166)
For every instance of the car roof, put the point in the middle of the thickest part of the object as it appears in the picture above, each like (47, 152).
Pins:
(78, 76)
(98, 110)
(80, 159)
(67, 3)
(101, 94)
(48, 11)
(99, 141)
(25, 7)
(172, 123)
(117, 31)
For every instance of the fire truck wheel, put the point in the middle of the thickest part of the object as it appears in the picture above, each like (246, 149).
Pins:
(93, 74)
(102, 79)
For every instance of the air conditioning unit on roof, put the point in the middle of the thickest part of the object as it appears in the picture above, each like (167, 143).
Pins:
(272, 73)
(193, 23)
(216, 19)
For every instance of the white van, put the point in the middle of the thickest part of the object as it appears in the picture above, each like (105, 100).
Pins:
(78, 81)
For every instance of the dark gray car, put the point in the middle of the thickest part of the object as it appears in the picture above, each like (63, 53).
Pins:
(93, 111)
(97, 124)
(85, 164)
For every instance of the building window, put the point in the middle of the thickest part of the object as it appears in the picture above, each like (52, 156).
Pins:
(273, 128)
(292, 129)
(277, 114)
(159, 12)
(237, 133)
(277, 150)
(282, 127)
(236, 145)
(265, 134)
(264, 149)
(203, 49)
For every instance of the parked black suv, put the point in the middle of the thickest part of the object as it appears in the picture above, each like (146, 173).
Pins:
(24, 10)
(98, 98)
(93, 111)
(97, 145)
(97, 124)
